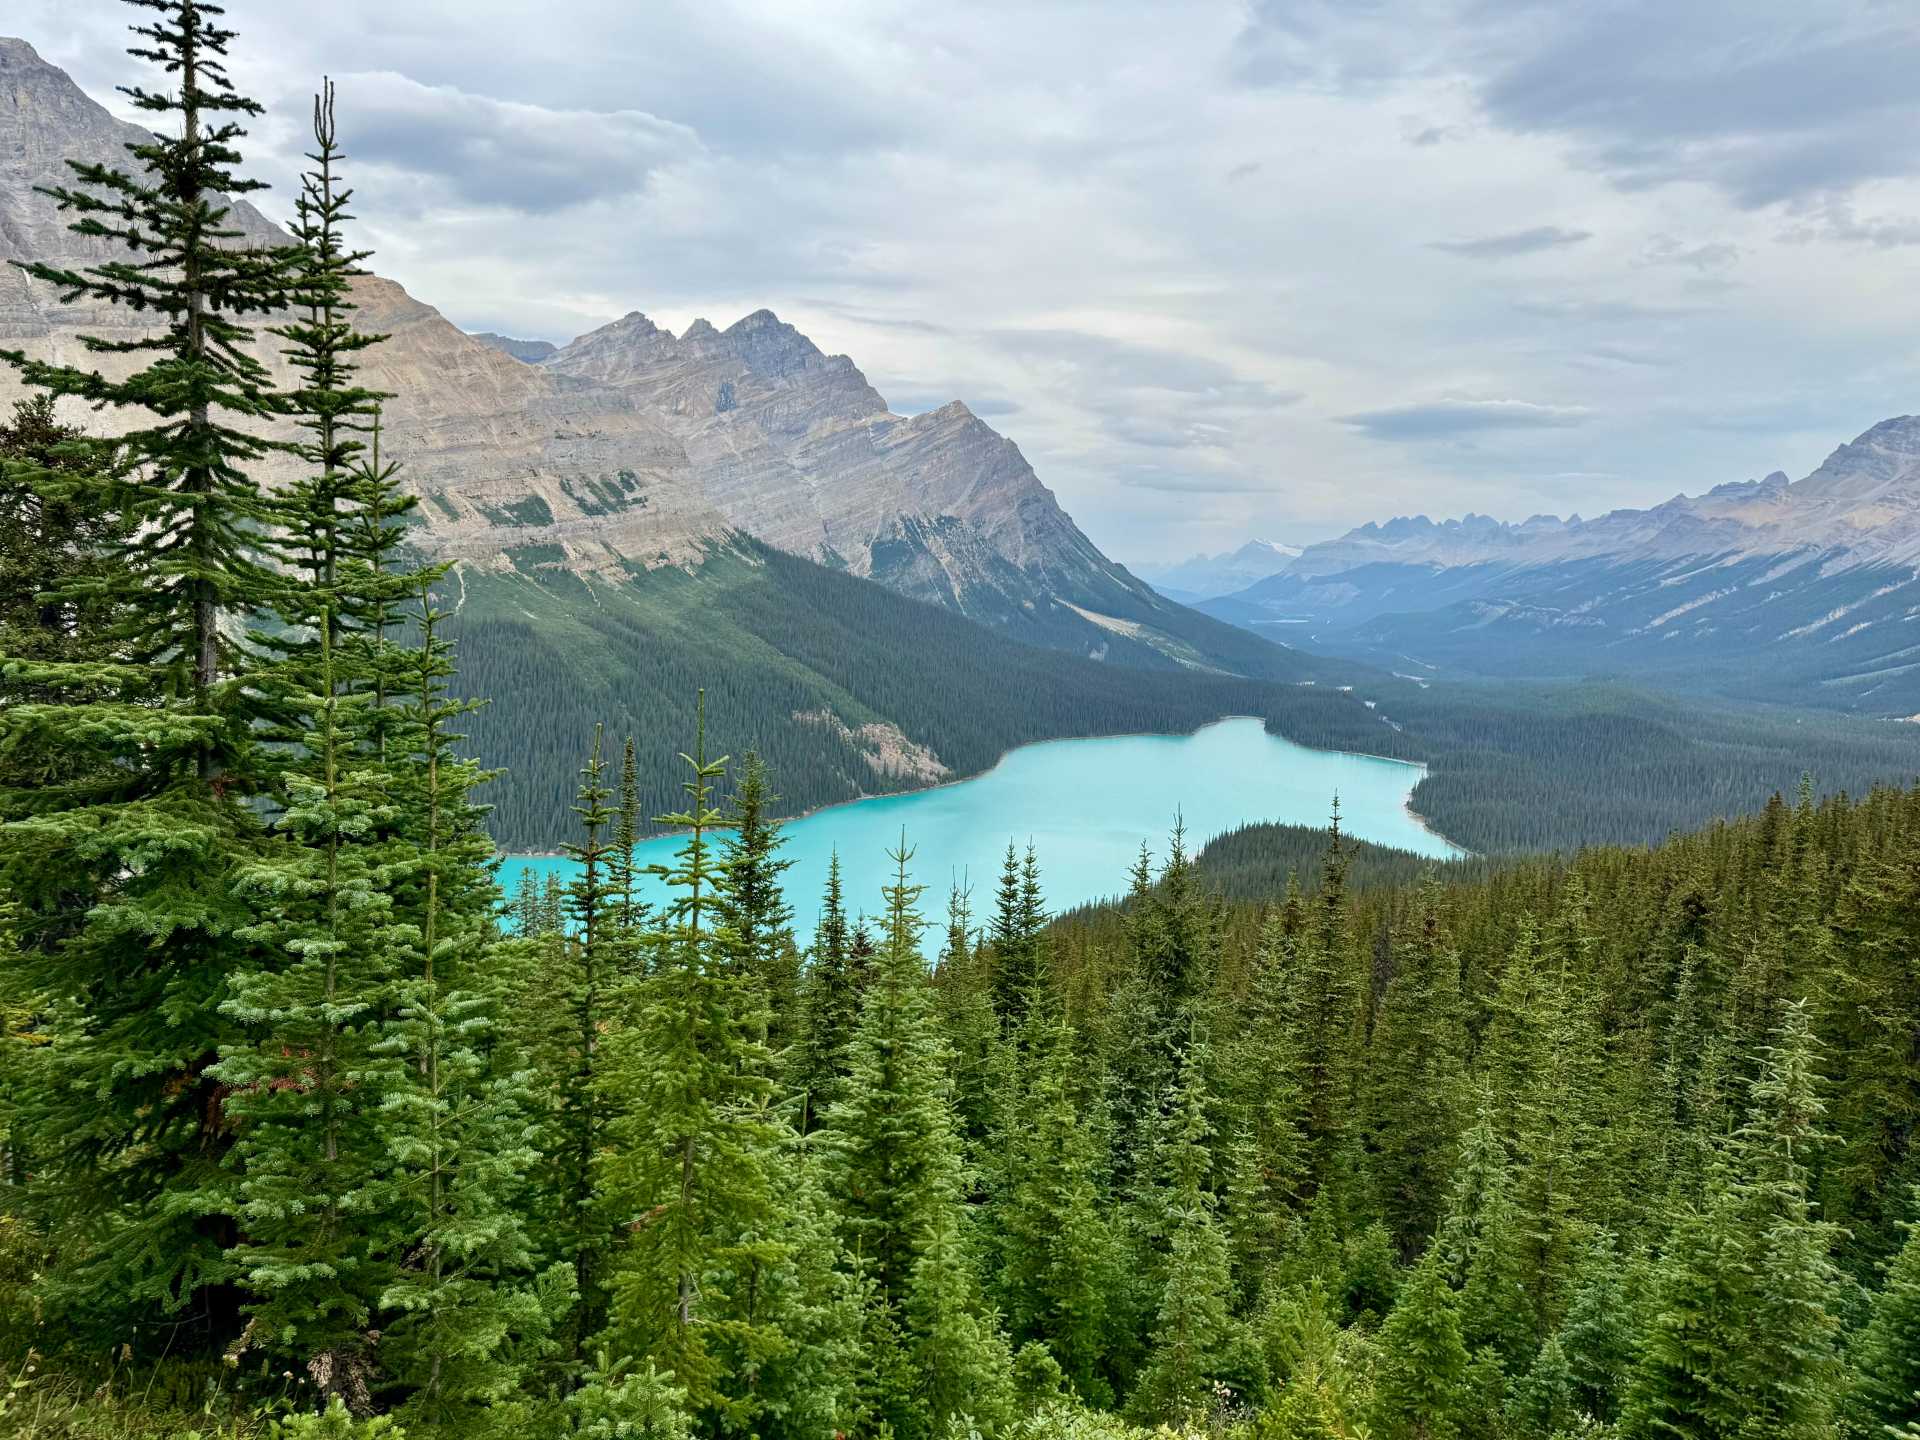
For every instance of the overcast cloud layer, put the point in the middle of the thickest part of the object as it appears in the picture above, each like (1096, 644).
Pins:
(1221, 269)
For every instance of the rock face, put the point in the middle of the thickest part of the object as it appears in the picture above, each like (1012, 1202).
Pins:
(631, 447)
(795, 447)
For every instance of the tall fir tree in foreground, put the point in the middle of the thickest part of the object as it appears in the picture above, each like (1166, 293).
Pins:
(308, 1087)
(694, 1154)
(467, 1318)
(159, 807)
(895, 1164)
(753, 907)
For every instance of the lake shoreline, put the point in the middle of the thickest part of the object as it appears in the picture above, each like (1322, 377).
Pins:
(1421, 822)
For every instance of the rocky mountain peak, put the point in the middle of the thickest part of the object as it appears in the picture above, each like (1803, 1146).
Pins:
(1875, 470)
(628, 446)
(770, 347)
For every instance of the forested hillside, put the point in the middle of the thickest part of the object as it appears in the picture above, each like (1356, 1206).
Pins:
(1521, 767)
(846, 688)
(800, 661)
(308, 1132)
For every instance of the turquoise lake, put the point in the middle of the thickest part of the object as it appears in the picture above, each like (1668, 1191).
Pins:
(1086, 805)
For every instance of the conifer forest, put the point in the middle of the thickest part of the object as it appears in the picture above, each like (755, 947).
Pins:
(316, 1123)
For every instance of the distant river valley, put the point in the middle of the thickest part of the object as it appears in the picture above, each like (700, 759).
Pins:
(1086, 806)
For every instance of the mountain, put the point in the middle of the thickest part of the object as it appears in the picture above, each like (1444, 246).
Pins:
(635, 514)
(633, 448)
(1204, 576)
(1804, 591)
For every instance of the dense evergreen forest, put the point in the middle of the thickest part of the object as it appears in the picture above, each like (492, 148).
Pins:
(1258, 862)
(1513, 768)
(779, 644)
(307, 1131)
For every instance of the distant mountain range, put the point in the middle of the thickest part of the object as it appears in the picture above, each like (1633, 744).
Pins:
(1804, 591)
(1205, 576)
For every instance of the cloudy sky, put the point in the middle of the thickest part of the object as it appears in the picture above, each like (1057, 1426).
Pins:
(1254, 267)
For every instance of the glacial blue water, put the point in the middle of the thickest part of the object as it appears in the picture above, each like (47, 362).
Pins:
(1086, 806)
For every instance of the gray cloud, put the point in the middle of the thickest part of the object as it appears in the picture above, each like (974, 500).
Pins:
(1445, 419)
(1337, 45)
(1666, 250)
(1769, 99)
(1514, 242)
(1837, 219)
(499, 152)
(1118, 368)
(1187, 482)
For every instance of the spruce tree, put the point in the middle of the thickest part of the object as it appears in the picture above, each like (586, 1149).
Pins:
(1317, 1372)
(157, 806)
(1416, 1074)
(1060, 1263)
(321, 511)
(56, 604)
(1885, 1355)
(1792, 1364)
(1330, 1000)
(465, 1317)
(1018, 918)
(317, 1177)
(1541, 1404)
(895, 1168)
(963, 991)
(799, 1347)
(1742, 1339)
(691, 1167)
(1012, 956)
(1262, 1078)
(1196, 1344)
(753, 907)
(626, 839)
(831, 1003)
(590, 985)
(1600, 1337)
(1421, 1385)
(307, 1089)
